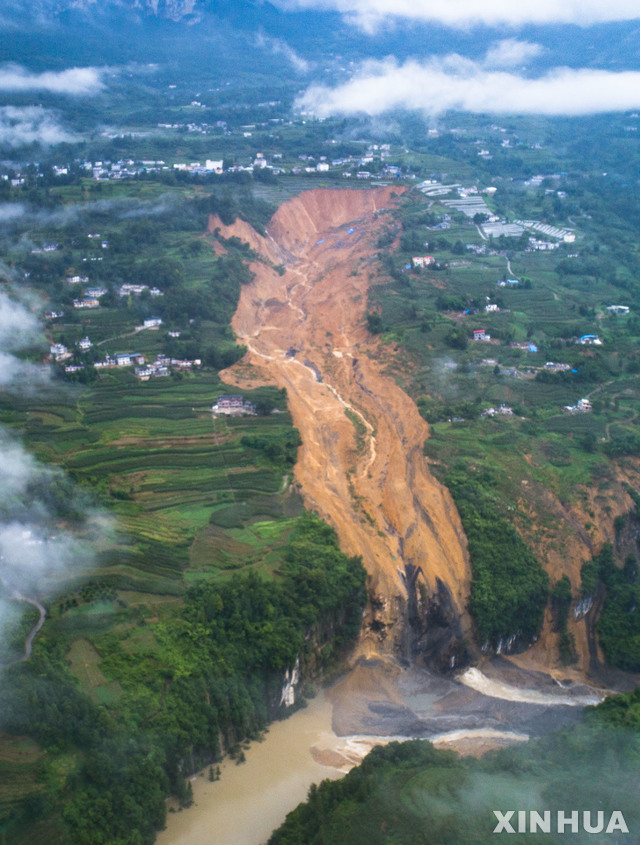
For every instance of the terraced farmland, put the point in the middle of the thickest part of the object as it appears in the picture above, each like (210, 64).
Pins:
(177, 481)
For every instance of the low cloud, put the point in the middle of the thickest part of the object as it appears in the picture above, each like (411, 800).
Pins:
(511, 53)
(77, 81)
(279, 47)
(28, 378)
(18, 327)
(93, 213)
(456, 83)
(463, 14)
(21, 125)
(11, 211)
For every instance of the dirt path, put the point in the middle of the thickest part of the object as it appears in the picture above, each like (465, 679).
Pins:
(119, 336)
(361, 464)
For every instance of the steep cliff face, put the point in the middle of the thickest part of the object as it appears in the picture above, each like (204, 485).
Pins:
(361, 465)
(573, 533)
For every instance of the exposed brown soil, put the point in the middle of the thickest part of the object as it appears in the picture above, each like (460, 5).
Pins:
(563, 547)
(473, 746)
(361, 464)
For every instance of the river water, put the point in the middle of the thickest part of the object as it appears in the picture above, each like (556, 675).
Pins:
(251, 799)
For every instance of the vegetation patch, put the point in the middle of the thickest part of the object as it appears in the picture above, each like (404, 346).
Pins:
(619, 623)
(509, 588)
(84, 662)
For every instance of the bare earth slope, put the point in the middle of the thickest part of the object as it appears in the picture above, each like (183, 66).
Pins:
(361, 464)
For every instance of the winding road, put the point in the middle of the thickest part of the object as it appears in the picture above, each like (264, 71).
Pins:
(16, 595)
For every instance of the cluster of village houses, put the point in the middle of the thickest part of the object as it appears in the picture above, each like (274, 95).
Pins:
(161, 366)
(582, 406)
(129, 168)
(501, 411)
(90, 297)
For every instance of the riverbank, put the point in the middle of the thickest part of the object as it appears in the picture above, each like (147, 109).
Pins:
(251, 799)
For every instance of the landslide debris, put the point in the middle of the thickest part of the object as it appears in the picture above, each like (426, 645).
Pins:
(361, 465)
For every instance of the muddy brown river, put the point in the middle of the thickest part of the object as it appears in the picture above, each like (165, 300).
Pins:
(251, 799)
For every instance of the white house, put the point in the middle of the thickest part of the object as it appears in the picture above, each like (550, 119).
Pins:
(233, 405)
(232, 401)
(128, 289)
(126, 359)
(589, 340)
(583, 406)
(58, 351)
(152, 322)
(618, 309)
(84, 344)
(423, 260)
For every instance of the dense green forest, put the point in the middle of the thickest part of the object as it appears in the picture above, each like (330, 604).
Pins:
(509, 587)
(619, 624)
